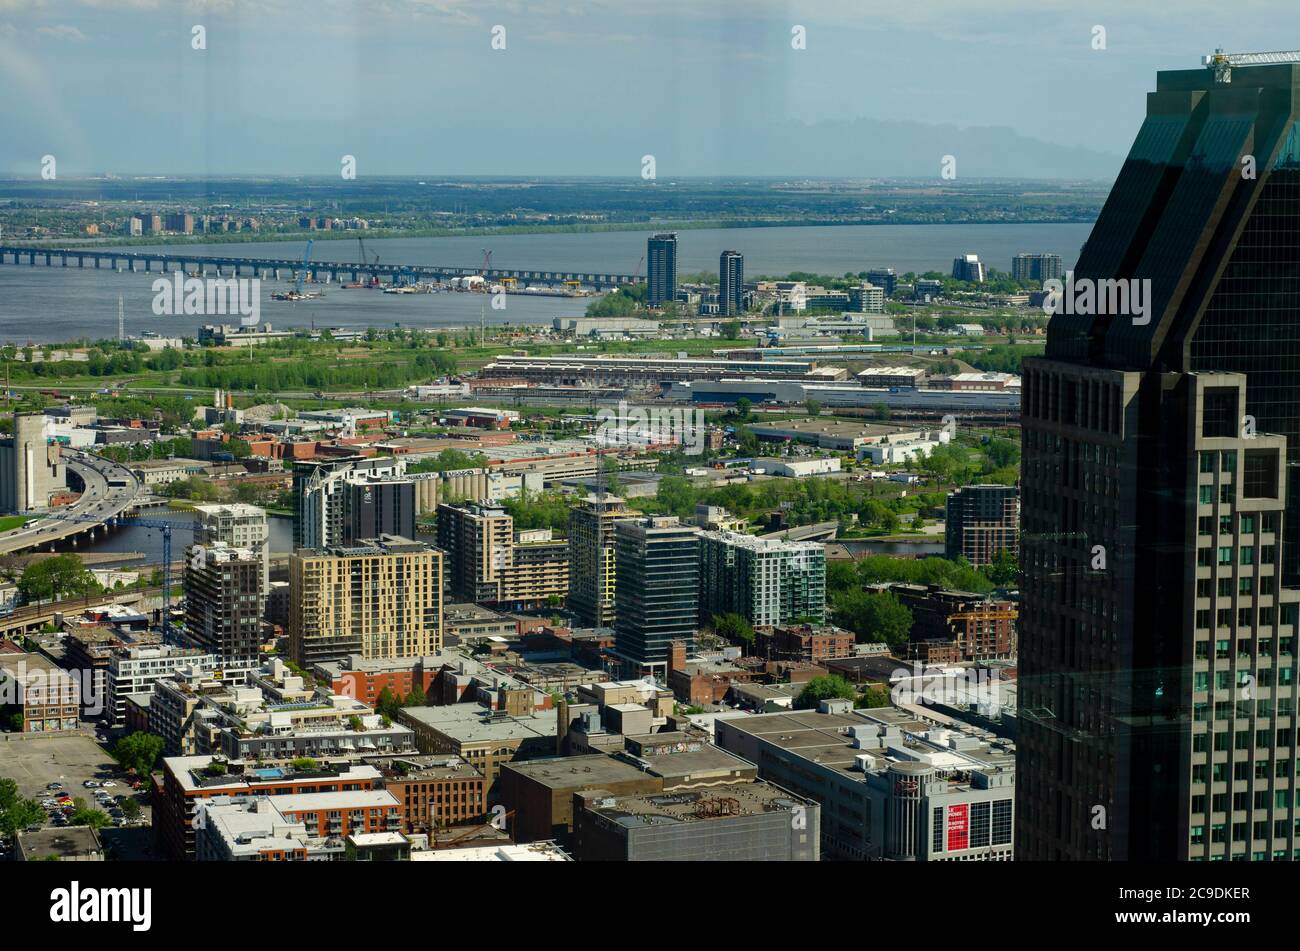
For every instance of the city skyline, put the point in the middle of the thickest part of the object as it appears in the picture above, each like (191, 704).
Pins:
(578, 431)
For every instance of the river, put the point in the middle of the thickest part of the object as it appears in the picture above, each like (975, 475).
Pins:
(50, 305)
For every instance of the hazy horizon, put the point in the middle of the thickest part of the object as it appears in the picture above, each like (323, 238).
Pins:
(586, 88)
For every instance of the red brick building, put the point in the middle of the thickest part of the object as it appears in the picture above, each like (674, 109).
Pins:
(433, 791)
(806, 643)
(368, 681)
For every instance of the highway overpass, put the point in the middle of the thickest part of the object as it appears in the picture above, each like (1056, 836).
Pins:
(108, 490)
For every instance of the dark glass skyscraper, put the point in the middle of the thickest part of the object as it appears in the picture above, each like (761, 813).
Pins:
(731, 283)
(657, 594)
(661, 268)
(1161, 466)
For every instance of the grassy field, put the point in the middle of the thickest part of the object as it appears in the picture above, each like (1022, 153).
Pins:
(9, 522)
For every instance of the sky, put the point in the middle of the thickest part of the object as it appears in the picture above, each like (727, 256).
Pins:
(1011, 88)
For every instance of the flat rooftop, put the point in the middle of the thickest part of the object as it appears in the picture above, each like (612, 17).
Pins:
(532, 852)
(573, 772)
(68, 842)
(818, 737)
(745, 799)
(422, 766)
(711, 763)
(470, 723)
(471, 612)
(821, 425)
(188, 771)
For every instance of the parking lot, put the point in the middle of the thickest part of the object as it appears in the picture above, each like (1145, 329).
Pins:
(71, 759)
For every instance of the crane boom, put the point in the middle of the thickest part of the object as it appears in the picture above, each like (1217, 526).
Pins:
(302, 273)
(1222, 62)
(119, 520)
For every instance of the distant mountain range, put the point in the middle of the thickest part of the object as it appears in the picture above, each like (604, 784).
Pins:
(856, 148)
(884, 148)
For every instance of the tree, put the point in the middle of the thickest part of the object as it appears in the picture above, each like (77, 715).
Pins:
(83, 815)
(872, 698)
(303, 764)
(814, 407)
(417, 697)
(138, 752)
(833, 687)
(50, 578)
(17, 813)
(954, 575)
(878, 616)
(387, 702)
(743, 407)
(734, 627)
(131, 809)
(1004, 569)
(677, 495)
(731, 329)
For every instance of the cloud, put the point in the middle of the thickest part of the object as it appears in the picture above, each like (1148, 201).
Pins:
(63, 31)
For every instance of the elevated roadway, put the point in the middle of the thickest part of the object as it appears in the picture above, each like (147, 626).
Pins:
(108, 491)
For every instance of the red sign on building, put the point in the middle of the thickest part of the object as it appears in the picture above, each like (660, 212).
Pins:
(958, 827)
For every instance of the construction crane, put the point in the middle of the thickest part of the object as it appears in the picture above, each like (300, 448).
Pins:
(365, 263)
(1222, 62)
(482, 309)
(302, 274)
(637, 273)
(117, 520)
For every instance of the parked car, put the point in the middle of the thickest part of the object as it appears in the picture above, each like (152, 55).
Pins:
(108, 784)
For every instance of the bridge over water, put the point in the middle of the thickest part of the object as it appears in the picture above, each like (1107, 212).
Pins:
(274, 268)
